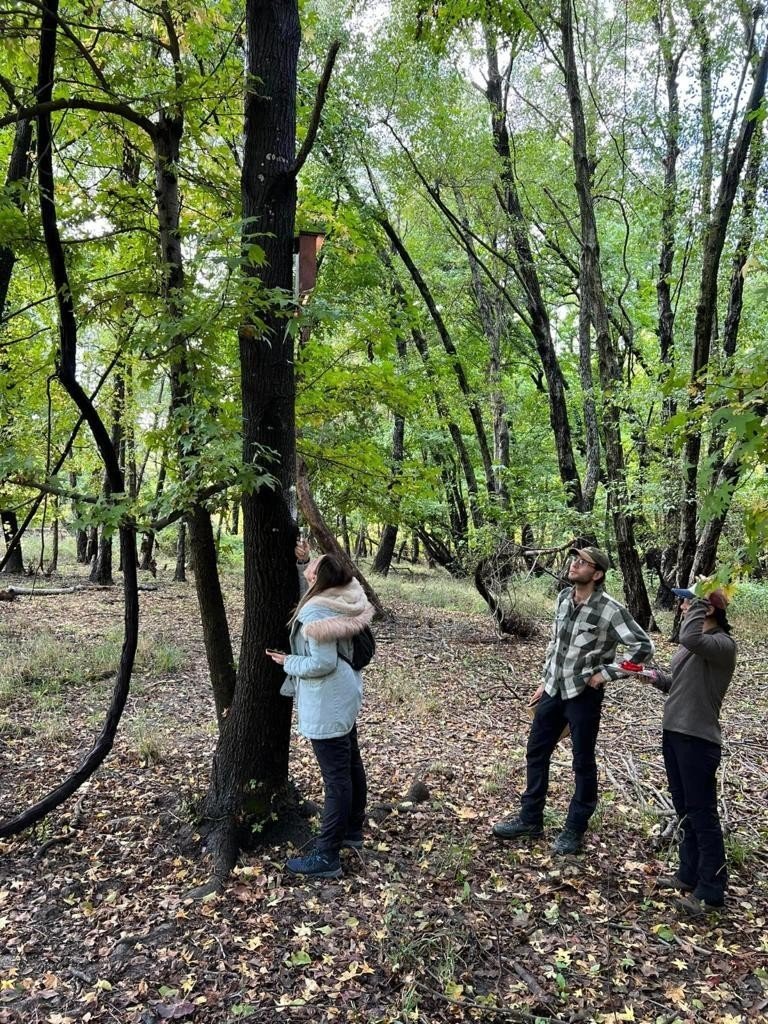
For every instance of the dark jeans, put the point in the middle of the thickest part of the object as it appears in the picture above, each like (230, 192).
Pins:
(582, 714)
(692, 764)
(346, 790)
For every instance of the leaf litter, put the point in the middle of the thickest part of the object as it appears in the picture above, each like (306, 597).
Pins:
(435, 921)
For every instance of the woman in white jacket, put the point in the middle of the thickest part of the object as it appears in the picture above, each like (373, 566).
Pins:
(329, 693)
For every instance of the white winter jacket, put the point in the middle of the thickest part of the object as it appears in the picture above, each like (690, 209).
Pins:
(327, 689)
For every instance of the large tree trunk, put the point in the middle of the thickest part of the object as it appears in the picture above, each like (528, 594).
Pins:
(250, 766)
(608, 363)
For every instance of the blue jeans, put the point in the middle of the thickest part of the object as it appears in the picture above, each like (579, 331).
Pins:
(582, 715)
(346, 790)
(692, 764)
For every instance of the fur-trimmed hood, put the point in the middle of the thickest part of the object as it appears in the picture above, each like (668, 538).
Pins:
(338, 613)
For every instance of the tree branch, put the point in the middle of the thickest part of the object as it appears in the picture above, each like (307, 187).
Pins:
(75, 103)
(314, 124)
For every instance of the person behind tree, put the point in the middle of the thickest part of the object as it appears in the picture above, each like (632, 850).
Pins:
(328, 694)
(589, 626)
(699, 674)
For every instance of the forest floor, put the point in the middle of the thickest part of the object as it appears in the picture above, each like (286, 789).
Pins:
(436, 921)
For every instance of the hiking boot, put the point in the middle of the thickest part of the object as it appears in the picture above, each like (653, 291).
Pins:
(568, 842)
(673, 882)
(317, 864)
(516, 828)
(692, 906)
(354, 841)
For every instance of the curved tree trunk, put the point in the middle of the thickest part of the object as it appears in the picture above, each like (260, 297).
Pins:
(66, 372)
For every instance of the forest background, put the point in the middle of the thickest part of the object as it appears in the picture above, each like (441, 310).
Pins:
(527, 306)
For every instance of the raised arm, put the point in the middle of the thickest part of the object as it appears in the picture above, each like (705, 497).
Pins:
(715, 647)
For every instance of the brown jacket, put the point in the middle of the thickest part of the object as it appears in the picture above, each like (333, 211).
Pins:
(698, 677)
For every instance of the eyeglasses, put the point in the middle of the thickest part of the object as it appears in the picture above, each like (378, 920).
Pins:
(583, 561)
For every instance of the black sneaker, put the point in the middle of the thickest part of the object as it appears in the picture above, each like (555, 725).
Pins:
(673, 882)
(516, 828)
(568, 842)
(317, 864)
(354, 841)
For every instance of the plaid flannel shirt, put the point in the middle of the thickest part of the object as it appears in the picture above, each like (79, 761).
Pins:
(584, 641)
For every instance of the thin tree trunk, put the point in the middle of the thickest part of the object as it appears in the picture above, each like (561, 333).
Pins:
(18, 172)
(216, 636)
(383, 558)
(666, 31)
(726, 472)
(324, 535)
(345, 535)
(15, 563)
(705, 313)
(180, 573)
(526, 267)
(493, 323)
(53, 565)
(147, 547)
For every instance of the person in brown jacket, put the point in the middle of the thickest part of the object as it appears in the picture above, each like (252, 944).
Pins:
(699, 674)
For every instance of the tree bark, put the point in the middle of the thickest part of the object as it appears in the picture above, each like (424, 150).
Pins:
(180, 573)
(705, 313)
(216, 635)
(250, 765)
(15, 563)
(528, 275)
(726, 471)
(666, 32)
(608, 363)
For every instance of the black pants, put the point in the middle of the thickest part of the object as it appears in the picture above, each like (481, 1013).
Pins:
(692, 764)
(582, 714)
(346, 790)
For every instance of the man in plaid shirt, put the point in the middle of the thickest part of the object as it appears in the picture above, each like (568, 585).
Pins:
(589, 626)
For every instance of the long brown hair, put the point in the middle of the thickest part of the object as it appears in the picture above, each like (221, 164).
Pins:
(331, 572)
